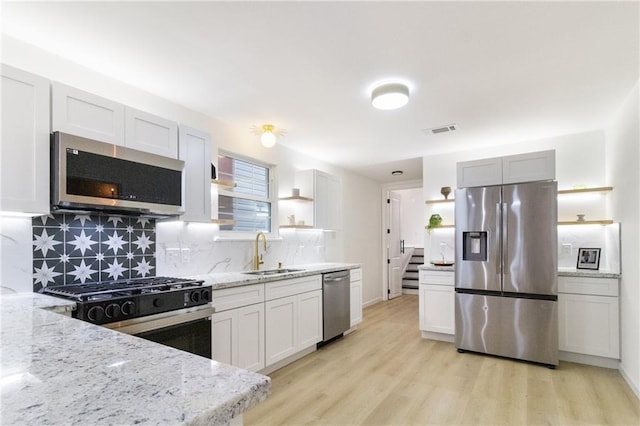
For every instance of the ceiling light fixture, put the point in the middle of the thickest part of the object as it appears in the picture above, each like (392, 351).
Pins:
(267, 134)
(397, 172)
(390, 96)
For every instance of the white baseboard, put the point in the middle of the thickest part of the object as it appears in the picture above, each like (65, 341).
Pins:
(627, 378)
(372, 302)
(438, 336)
(596, 361)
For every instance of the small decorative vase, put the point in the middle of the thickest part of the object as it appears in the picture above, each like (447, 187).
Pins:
(445, 190)
(580, 217)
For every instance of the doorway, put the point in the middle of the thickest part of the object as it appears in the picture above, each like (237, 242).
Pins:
(403, 236)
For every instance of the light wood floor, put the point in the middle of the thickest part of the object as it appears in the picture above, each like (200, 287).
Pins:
(385, 374)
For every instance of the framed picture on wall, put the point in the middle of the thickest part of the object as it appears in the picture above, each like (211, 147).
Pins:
(588, 258)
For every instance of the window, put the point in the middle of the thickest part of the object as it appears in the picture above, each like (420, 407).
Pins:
(248, 204)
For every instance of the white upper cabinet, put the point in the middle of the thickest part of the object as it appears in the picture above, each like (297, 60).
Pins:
(530, 167)
(195, 151)
(326, 191)
(80, 113)
(24, 144)
(484, 172)
(84, 114)
(149, 133)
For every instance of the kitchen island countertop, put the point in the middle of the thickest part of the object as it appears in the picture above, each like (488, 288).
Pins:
(59, 370)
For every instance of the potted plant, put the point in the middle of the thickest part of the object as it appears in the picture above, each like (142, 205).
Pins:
(434, 222)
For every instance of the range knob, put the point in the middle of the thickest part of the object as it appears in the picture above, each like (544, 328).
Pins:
(206, 295)
(195, 296)
(95, 314)
(128, 308)
(158, 302)
(112, 310)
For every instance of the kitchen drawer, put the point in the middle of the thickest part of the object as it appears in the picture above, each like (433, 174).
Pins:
(436, 277)
(355, 274)
(284, 288)
(235, 297)
(585, 285)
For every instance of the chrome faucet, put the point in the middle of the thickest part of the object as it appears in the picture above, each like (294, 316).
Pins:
(257, 259)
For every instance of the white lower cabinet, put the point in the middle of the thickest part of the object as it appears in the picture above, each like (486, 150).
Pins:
(436, 301)
(238, 337)
(292, 323)
(355, 297)
(589, 317)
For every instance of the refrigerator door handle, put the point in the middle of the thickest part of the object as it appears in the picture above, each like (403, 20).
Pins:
(498, 239)
(505, 240)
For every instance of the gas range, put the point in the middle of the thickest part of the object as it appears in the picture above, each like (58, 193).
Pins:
(115, 301)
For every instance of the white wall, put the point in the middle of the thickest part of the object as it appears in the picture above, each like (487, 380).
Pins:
(623, 163)
(360, 196)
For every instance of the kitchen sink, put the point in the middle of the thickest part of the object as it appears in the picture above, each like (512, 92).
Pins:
(273, 271)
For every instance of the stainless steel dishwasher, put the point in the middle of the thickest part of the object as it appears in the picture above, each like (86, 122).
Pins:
(336, 309)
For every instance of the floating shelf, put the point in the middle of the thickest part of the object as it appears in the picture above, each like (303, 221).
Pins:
(449, 200)
(586, 222)
(297, 226)
(298, 198)
(223, 221)
(225, 183)
(582, 190)
(442, 226)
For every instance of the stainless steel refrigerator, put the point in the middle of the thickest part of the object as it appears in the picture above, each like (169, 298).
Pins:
(506, 271)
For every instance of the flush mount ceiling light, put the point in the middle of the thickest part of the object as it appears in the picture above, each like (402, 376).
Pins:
(397, 172)
(390, 96)
(267, 134)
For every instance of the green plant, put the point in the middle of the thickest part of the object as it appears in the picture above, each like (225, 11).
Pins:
(434, 222)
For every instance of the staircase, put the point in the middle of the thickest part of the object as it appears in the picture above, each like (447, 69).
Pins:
(410, 276)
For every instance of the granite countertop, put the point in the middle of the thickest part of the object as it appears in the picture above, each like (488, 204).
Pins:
(572, 272)
(431, 267)
(59, 370)
(220, 280)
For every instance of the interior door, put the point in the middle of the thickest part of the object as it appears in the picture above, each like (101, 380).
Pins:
(394, 251)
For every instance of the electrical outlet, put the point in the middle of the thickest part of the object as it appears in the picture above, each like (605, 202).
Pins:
(173, 255)
(566, 248)
(185, 254)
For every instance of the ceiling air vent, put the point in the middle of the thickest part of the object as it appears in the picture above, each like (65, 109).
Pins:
(441, 129)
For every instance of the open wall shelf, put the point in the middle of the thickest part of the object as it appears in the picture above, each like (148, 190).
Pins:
(224, 183)
(298, 198)
(296, 226)
(450, 200)
(223, 221)
(583, 190)
(586, 222)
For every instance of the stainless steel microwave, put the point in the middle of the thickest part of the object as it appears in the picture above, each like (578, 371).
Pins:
(92, 175)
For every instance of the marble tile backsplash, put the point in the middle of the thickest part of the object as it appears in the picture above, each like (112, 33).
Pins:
(209, 251)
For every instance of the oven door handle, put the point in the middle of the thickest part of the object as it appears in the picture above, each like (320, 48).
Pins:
(159, 321)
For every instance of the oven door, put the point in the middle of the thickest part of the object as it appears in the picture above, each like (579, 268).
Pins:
(185, 329)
